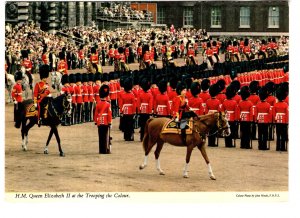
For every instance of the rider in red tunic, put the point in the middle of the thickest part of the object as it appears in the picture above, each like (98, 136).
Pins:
(28, 66)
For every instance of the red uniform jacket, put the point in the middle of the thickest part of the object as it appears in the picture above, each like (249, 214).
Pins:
(45, 58)
(212, 105)
(111, 53)
(41, 90)
(90, 93)
(65, 90)
(263, 113)
(145, 102)
(122, 58)
(85, 93)
(71, 89)
(191, 52)
(180, 105)
(16, 92)
(221, 97)
(271, 100)
(96, 93)
(229, 106)
(171, 94)
(204, 96)
(280, 112)
(81, 54)
(196, 105)
(245, 111)
(103, 114)
(146, 57)
(78, 91)
(209, 52)
(62, 67)
(116, 54)
(237, 98)
(27, 64)
(113, 93)
(161, 105)
(127, 103)
(94, 58)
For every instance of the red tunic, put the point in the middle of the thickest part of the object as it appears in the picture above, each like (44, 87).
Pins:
(71, 89)
(96, 89)
(280, 112)
(111, 53)
(103, 114)
(94, 58)
(245, 111)
(90, 93)
(180, 105)
(85, 93)
(196, 105)
(16, 92)
(78, 91)
(263, 113)
(127, 103)
(145, 102)
(161, 105)
(212, 105)
(45, 58)
(113, 93)
(65, 90)
(62, 67)
(27, 64)
(41, 90)
(171, 94)
(229, 106)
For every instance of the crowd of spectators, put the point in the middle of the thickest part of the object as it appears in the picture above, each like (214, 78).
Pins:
(123, 12)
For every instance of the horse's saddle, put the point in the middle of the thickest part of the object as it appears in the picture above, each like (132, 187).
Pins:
(172, 127)
(31, 111)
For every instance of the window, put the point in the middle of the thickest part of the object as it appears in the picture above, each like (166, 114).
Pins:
(161, 16)
(273, 17)
(244, 17)
(216, 17)
(188, 14)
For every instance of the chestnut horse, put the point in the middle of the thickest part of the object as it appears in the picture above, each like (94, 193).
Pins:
(201, 127)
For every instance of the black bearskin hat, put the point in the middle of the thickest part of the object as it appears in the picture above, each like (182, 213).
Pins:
(188, 81)
(111, 75)
(85, 77)
(115, 46)
(246, 42)
(263, 42)
(97, 76)
(236, 84)
(18, 75)
(162, 86)
(173, 83)
(128, 84)
(105, 77)
(24, 53)
(214, 90)
(281, 94)
(205, 84)
(91, 77)
(121, 50)
(234, 43)
(270, 87)
(145, 84)
(195, 88)
(230, 92)
(285, 87)
(64, 79)
(254, 86)
(245, 92)
(72, 78)
(221, 83)
(263, 93)
(93, 50)
(61, 55)
(180, 86)
(214, 43)
(208, 45)
(104, 91)
(145, 48)
(78, 77)
(44, 71)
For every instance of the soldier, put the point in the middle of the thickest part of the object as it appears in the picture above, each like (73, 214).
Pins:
(96, 87)
(41, 90)
(79, 98)
(161, 102)
(271, 100)
(221, 95)
(229, 106)
(212, 105)
(91, 96)
(263, 117)
(103, 119)
(128, 109)
(113, 94)
(204, 95)
(144, 105)
(111, 54)
(215, 50)
(172, 91)
(62, 65)
(94, 59)
(27, 64)
(85, 96)
(280, 113)
(254, 98)
(45, 56)
(16, 94)
(65, 90)
(245, 117)
(72, 80)
(195, 102)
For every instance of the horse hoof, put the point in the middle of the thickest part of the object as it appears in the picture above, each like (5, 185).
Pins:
(212, 177)
(45, 152)
(162, 173)
(62, 154)
(185, 176)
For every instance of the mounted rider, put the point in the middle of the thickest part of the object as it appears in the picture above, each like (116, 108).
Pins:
(41, 90)
(27, 64)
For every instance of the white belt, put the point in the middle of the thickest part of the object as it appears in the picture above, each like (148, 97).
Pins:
(78, 95)
(280, 114)
(113, 92)
(259, 114)
(18, 93)
(97, 94)
(161, 106)
(245, 112)
(212, 111)
(194, 108)
(230, 112)
(144, 104)
(127, 105)
(104, 114)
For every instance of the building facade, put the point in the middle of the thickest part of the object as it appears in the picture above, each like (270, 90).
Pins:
(226, 17)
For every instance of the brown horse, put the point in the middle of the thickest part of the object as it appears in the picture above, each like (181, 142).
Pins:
(200, 129)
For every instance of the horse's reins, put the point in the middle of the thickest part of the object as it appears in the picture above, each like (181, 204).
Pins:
(219, 128)
(55, 111)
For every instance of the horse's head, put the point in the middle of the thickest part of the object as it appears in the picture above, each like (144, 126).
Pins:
(222, 124)
(67, 104)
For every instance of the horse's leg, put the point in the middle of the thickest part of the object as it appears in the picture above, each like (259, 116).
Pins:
(201, 147)
(28, 127)
(61, 153)
(48, 141)
(150, 143)
(187, 160)
(159, 146)
(23, 129)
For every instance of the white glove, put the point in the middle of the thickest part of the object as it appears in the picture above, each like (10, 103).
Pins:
(176, 120)
(49, 95)
(35, 105)
(15, 102)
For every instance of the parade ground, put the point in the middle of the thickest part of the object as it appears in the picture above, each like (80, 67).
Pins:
(84, 170)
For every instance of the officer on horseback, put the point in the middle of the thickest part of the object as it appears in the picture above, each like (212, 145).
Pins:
(41, 90)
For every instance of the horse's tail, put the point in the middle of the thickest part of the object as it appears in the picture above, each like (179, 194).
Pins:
(19, 113)
(146, 134)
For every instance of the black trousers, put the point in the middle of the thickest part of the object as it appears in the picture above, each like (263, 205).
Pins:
(143, 119)
(253, 131)
(103, 134)
(73, 114)
(281, 136)
(114, 108)
(128, 127)
(78, 113)
(229, 140)
(212, 138)
(85, 112)
(263, 136)
(245, 134)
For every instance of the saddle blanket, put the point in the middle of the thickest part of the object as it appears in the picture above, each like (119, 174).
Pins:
(31, 111)
(171, 127)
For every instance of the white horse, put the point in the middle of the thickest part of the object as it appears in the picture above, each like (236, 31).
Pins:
(56, 80)
(9, 86)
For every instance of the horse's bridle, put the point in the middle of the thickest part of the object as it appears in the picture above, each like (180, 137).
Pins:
(66, 104)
